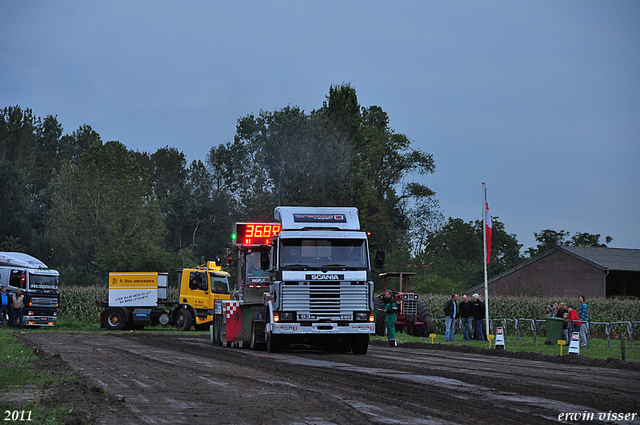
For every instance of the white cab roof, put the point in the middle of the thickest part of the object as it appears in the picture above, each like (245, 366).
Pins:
(298, 218)
(18, 259)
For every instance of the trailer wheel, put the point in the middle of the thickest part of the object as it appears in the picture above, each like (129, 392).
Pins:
(183, 320)
(274, 343)
(114, 319)
(360, 344)
(381, 320)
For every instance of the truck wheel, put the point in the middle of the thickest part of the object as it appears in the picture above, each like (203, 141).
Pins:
(114, 319)
(257, 345)
(360, 344)
(183, 320)
(381, 320)
(274, 344)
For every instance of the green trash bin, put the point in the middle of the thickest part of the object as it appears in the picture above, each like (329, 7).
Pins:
(554, 330)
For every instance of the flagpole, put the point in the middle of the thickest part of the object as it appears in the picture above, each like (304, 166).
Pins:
(484, 242)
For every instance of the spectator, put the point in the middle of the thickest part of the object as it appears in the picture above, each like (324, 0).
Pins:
(18, 308)
(5, 307)
(451, 314)
(466, 318)
(562, 310)
(555, 308)
(563, 313)
(478, 317)
(549, 311)
(574, 320)
(584, 318)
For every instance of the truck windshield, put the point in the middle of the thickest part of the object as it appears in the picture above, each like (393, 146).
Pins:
(323, 253)
(37, 281)
(219, 284)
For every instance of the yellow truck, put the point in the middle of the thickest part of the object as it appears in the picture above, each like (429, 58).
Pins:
(139, 299)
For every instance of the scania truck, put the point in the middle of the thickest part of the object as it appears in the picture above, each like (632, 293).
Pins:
(318, 291)
(38, 283)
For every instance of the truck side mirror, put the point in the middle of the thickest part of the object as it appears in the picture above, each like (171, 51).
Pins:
(379, 263)
(264, 260)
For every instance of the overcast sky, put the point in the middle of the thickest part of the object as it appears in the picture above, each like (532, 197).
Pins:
(541, 100)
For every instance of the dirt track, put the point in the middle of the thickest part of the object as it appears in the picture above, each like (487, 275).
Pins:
(183, 379)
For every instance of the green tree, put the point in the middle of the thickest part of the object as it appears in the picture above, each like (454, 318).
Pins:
(456, 251)
(588, 239)
(548, 239)
(341, 154)
(104, 217)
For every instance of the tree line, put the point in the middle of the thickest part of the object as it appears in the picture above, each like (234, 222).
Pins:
(88, 207)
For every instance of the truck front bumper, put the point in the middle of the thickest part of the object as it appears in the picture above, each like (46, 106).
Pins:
(39, 320)
(321, 328)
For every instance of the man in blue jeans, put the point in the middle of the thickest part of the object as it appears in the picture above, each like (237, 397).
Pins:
(466, 318)
(451, 314)
(18, 307)
(478, 318)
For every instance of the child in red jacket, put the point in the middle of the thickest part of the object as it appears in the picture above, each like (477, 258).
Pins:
(574, 319)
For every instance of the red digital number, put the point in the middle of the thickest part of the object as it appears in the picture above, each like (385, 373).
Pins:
(258, 234)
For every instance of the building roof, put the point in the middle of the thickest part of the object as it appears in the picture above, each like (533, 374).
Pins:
(615, 259)
(612, 259)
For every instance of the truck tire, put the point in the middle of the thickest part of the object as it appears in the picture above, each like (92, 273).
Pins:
(360, 344)
(114, 319)
(256, 343)
(423, 316)
(274, 343)
(381, 320)
(184, 320)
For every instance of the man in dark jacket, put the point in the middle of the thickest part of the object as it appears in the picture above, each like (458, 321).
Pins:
(478, 317)
(451, 314)
(466, 318)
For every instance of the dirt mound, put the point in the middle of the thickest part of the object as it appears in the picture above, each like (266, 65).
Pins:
(566, 359)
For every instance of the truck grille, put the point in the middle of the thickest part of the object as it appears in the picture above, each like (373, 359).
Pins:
(325, 301)
(44, 302)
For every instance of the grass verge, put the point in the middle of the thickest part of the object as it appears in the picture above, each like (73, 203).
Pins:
(22, 384)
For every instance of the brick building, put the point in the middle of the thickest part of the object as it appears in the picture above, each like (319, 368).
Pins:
(569, 271)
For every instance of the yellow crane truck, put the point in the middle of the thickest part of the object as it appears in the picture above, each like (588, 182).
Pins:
(139, 299)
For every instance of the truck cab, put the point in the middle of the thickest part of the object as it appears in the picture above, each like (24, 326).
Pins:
(199, 288)
(321, 292)
(38, 283)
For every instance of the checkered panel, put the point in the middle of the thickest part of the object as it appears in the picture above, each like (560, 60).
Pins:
(232, 307)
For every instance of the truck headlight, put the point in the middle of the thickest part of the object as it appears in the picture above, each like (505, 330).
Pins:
(362, 316)
(286, 316)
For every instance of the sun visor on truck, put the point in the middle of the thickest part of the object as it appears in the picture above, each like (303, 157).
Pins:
(299, 218)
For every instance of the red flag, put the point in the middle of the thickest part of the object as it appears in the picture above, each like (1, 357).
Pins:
(487, 224)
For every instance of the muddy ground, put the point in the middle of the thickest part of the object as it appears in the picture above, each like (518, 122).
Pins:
(145, 377)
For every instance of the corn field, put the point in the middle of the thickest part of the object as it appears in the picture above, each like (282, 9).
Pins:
(78, 303)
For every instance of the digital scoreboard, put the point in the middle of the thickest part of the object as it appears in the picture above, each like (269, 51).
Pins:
(255, 233)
